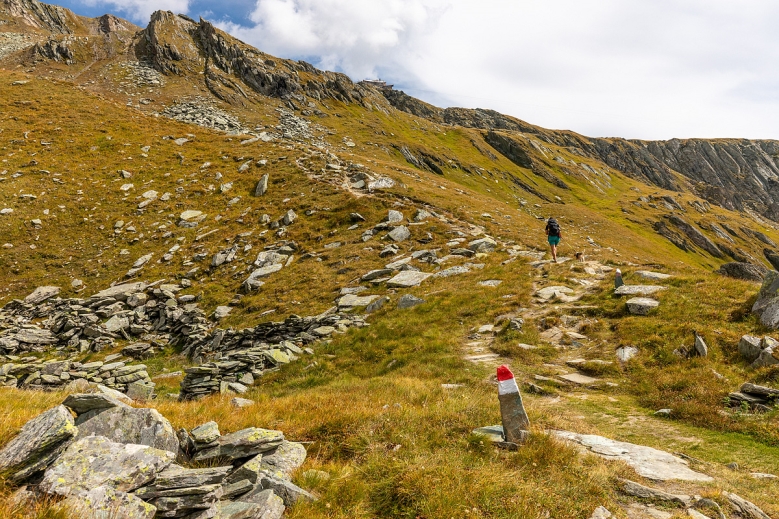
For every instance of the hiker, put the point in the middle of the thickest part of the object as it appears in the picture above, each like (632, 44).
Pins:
(554, 235)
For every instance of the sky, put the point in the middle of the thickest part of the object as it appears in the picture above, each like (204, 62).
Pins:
(641, 69)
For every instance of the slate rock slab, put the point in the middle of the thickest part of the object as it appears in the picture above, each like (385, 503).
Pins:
(41, 294)
(286, 490)
(104, 502)
(91, 462)
(178, 477)
(641, 305)
(130, 426)
(483, 245)
(242, 444)
(638, 290)
(273, 509)
(40, 441)
(205, 433)
(82, 403)
(648, 462)
(655, 276)
(407, 279)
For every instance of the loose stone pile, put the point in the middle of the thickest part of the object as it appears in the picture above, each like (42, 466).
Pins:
(52, 375)
(142, 74)
(759, 352)
(757, 398)
(245, 355)
(201, 112)
(117, 461)
(152, 312)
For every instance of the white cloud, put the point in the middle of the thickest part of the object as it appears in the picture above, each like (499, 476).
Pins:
(140, 10)
(633, 68)
(361, 38)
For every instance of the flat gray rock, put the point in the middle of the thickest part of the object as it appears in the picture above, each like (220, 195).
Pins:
(130, 426)
(407, 279)
(625, 353)
(205, 433)
(548, 293)
(177, 477)
(81, 403)
(654, 276)
(95, 461)
(750, 347)
(409, 301)
(41, 294)
(641, 305)
(104, 502)
(40, 441)
(289, 492)
(377, 274)
(351, 300)
(242, 444)
(120, 291)
(746, 509)
(638, 290)
(578, 378)
(490, 283)
(452, 271)
(250, 471)
(648, 462)
(483, 245)
(271, 507)
(399, 234)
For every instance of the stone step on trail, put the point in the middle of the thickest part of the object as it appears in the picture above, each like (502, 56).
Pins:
(648, 462)
(638, 290)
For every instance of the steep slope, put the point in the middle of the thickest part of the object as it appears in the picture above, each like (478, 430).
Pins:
(737, 174)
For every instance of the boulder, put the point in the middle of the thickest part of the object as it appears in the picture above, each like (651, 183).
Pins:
(399, 234)
(91, 462)
(40, 441)
(289, 492)
(271, 509)
(700, 346)
(242, 444)
(129, 425)
(768, 357)
(394, 216)
(766, 306)
(750, 347)
(262, 185)
(206, 433)
(409, 301)
(105, 502)
(41, 294)
(746, 509)
(641, 305)
(250, 471)
(483, 245)
(81, 403)
(745, 271)
(351, 300)
(282, 461)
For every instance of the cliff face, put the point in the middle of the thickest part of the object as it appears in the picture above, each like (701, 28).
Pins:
(50, 18)
(735, 174)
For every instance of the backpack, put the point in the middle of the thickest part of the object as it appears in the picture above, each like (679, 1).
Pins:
(553, 227)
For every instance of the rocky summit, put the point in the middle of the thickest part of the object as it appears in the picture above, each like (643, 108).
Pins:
(236, 286)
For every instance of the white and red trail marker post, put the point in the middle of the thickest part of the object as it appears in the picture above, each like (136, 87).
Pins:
(512, 411)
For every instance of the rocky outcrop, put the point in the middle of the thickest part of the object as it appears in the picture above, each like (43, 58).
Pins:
(117, 476)
(745, 271)
(41, 440)
(33, 13)
(517, 152)
(766, 306)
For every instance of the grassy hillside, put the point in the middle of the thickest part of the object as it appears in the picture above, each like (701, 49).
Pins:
(371, 402)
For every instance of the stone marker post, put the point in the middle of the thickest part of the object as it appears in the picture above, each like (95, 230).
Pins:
(512, 410)
(618, 279)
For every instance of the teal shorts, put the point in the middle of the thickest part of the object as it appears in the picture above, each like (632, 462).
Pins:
(553, 240)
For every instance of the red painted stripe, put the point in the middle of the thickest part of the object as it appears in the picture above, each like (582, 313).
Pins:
(504, 373)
